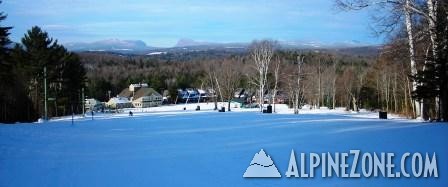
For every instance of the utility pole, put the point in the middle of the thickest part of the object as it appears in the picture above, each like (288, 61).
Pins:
(45, 94)
(83, 101)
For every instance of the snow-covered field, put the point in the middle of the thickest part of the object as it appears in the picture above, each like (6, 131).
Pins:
(167, 146)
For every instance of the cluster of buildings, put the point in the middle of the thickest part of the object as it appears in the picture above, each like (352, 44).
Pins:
(142, 96)
(136, 96)
(190, 95)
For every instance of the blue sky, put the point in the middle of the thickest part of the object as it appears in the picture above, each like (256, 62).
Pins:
(162, 23)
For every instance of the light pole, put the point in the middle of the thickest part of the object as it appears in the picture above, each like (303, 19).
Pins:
(45, 94)
(83, 102)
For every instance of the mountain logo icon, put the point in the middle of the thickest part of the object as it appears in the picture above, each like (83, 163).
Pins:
(262, 166)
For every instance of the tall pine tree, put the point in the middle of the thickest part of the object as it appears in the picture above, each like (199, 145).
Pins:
(65, 73)
(433, 79)
(15, 106)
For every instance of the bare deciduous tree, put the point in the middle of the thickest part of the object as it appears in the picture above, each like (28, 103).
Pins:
(261, 53)
(397, 7)
(426, 14)
(276, 77)
(228, 78)
(210, 70)
(298, 89)
(333, 87)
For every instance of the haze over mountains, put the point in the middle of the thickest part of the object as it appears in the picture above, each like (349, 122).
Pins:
(109, 45)
(140, 47)
(186, 42)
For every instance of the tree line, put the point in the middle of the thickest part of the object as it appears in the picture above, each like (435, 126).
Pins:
(337, 73)
(319, 78)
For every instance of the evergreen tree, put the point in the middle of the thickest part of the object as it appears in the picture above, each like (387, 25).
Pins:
(5, 66)
(15, 106)
(442, 60)
(73, 77)
(432, 80)
(31, 57)
(65, 73)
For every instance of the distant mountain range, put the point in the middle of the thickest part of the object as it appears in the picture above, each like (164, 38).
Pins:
(298, 44)
(184, 42)
(114, 45)
(140, 48)
(285, 44)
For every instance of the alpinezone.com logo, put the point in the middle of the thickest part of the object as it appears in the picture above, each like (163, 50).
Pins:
(352, 164)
